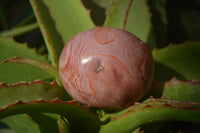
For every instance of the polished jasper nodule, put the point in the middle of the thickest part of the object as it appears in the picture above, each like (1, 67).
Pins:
(106, 67)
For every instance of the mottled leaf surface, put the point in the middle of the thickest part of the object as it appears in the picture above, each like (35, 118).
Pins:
(59, 21)
(26, 92)
(11, 73)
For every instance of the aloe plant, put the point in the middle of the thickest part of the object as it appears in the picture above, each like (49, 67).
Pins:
(32, 98)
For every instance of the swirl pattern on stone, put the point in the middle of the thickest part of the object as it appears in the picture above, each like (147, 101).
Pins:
(106, 67)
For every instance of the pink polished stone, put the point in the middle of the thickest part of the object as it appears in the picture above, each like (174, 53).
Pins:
(106, 67)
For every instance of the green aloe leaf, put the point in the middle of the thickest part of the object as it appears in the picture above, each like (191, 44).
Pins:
(59, 21)
(152, 110)
(159, 21)
(44, 66)
(19, 30)
(3, 18)
(26, 92)
(33, 123)
(22, 124)
(104, 3)
(139, 20)
(190, 20)
(81, 118)
(176, 89)
(137, 131)
(27, 20)
(46, 121)
(180, 61)
(10, 73)
(182, 90)
(64, 125)
(117, 15)
(133, 16)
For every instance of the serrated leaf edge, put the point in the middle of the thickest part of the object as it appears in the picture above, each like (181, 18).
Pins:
(174, 79)
(53, 83)
(173, 44)
(43, 66)
(56, 100)
(169, 103)
(25, 44)
(45, 33)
